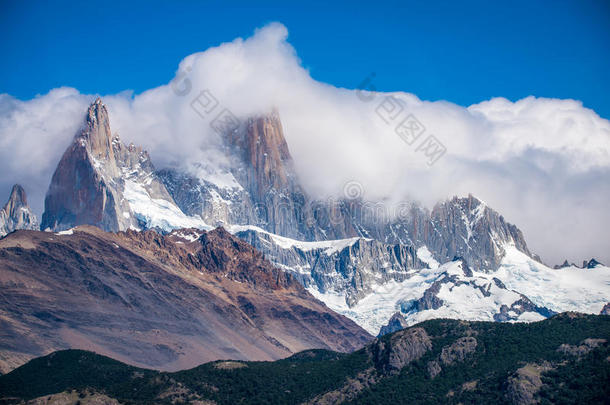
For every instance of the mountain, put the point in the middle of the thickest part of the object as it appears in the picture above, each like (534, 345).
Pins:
(371, 282)
(102, 182)
(560, 360)
(350, 267)
(163, 301)
(16, 213)
(259, 188)
(365, 260)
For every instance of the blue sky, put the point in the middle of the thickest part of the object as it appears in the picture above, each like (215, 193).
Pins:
(464, 52)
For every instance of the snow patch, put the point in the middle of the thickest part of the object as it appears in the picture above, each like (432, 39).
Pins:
(423, 253)
(329, 246)
(158, 213)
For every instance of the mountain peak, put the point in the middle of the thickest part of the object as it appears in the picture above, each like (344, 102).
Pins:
(18, 197)
(96, 130)
(16, 213)
(591, 264)
(100, 181)
(262, 147)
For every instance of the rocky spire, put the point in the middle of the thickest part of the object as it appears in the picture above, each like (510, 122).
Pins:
(96, 130)
(91, 179)
(16, 214)
(264, 150)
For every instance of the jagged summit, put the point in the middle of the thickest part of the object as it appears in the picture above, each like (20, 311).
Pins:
(17, 199)
(100, 181)
(562, 265)
(264, 150)
(591, 264)
(16, 213)
(469, 228)
(96, 130)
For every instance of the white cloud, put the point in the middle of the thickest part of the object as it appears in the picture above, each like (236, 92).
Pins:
(543, 163)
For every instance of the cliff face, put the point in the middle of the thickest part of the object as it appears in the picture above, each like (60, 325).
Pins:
(100, 181)
(168, 302)
(350, 267)
(16, 213)
(263, 149)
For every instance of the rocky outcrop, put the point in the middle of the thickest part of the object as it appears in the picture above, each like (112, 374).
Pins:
(433, 368)
(349, 391)
(401, 349)
(91, 180)
(460, 227)
(217, 199)
(525, 383)
(259, 187)
(430, 299)
(16, 213)
(458, 351)
(583, 348)
(605, 310)
(162, 301)
(468, 228)
(522, 305)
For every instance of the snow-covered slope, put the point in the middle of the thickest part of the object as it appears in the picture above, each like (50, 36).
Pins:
(156, 213)
(565, 289)
(520, 290)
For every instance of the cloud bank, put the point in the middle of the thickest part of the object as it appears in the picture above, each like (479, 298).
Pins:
(543, 163)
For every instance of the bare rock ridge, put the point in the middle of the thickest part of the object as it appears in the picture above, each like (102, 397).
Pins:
(16, 213)
(162, 301)
(90, 180)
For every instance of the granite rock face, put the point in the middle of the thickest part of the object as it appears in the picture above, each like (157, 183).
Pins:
(16, 213)
(90, 180)
(468, 228)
